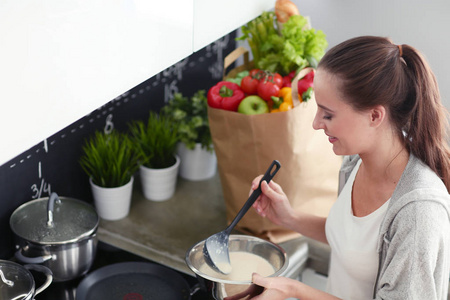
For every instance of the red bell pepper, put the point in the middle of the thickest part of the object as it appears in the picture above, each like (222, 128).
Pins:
(303, 85)
(225, 95)
(287, 81)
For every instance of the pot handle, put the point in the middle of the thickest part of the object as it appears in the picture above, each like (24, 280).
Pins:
(195, 289)
(42, 269)
(50, 206)
(5, 280)
(32, 260)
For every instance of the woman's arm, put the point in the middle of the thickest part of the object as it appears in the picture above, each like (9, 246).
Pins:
(416, 260)
(309, 225)
(274, 204)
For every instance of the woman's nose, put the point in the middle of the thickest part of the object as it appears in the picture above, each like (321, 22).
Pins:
(317, 123)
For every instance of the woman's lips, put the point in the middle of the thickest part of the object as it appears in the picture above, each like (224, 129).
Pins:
(332, 139)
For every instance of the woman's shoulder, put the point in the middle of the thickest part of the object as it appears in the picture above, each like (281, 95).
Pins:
(420, 183)
(419, 190)
(417, 175)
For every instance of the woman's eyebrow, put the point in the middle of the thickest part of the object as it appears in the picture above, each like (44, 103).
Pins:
(325, 108)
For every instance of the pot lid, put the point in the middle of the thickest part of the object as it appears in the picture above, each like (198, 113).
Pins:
(54, 220)
(16, 282)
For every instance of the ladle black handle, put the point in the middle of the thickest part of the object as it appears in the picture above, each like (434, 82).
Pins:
(270, 173)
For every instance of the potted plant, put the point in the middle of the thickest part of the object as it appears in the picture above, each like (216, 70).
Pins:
(156, 141)
(110, 162)
(195, 147)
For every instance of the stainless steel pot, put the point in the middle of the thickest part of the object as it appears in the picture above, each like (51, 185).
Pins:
(17, 282)
(220, 288)
(57, 232)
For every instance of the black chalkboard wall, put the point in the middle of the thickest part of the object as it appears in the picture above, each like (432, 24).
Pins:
(52, 165)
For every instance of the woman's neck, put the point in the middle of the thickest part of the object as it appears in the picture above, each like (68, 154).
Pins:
(386, 162)
(377, 177)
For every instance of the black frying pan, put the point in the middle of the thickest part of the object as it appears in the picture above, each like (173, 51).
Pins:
(133, 281)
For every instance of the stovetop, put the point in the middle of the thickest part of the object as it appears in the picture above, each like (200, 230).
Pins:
(106, 255)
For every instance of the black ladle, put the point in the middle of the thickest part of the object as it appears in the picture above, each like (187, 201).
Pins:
(215, 249)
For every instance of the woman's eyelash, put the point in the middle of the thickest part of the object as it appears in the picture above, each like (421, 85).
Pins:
(327, 117)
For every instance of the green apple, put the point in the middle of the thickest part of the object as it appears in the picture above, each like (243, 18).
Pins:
(253, 105)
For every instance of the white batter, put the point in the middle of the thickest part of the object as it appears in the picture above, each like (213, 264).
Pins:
(243, 265)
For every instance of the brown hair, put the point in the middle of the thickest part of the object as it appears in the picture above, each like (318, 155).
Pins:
(374, 71)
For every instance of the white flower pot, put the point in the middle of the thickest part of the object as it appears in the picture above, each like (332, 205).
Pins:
(159, 184)
(196, 164)
(112, 203)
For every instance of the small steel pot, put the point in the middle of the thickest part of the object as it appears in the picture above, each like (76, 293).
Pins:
(57, 232)
(220, 288)
(17, 282)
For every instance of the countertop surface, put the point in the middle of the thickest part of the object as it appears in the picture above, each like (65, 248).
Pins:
(164, 231)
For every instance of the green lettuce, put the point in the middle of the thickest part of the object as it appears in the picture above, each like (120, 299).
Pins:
(282, 50)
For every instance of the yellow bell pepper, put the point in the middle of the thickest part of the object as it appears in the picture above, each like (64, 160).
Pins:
(284, 100)
(285, 106)
(286, 94)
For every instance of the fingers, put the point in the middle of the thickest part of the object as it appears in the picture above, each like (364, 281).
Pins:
(255, 184)
(265, 188)
(275, 186)
(271, 189)
(260, 209)
(257, 180)
(275, 288)
(260, 280)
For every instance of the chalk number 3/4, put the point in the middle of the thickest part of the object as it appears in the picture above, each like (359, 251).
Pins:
(42, 188)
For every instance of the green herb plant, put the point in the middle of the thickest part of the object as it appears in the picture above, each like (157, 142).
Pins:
(155, 140)
(109, 159)
(192, 118)
(282, 49)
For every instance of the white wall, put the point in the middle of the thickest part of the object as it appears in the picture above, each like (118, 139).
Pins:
(61, 60)
(423, 24)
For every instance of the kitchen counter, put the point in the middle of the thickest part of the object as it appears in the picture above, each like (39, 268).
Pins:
(164, 231)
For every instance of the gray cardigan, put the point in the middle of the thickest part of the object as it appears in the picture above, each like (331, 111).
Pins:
(414, 237)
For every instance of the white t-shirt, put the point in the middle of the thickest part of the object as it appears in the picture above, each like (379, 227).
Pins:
(353, 242)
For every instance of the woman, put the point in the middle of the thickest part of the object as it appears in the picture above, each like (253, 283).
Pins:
(389, 230)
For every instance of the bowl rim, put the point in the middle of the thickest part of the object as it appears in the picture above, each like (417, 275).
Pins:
(237, 236)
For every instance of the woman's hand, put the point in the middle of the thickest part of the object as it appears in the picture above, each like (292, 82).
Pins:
(276, 288)
(273, 202)
(280, 288)
(270, 288)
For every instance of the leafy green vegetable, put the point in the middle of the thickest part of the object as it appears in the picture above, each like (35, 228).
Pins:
(309, 44)
(282, 50)
(257, 33)
(238, 77)
(192, 118)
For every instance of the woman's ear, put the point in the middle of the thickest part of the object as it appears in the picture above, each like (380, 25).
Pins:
(377, 115)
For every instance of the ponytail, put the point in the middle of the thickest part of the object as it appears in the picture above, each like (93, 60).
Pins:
(426, 132)
(377, 72)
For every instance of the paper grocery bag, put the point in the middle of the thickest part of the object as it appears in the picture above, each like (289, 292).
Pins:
(245, 145)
